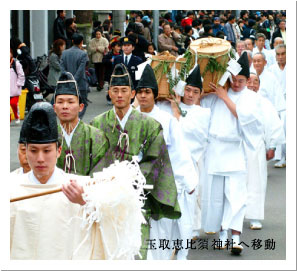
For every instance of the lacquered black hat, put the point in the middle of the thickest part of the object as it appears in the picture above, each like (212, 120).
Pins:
(121, 76)
(194, 79)
(66, 85)
(244, 63)
(41, 124)
(148, 80)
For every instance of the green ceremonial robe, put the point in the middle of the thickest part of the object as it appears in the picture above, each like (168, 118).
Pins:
(145, 135)
(88, 145)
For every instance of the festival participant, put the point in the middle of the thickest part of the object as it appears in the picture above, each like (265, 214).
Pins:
(272, 135)
(234, 120)
(82, 145)
(63, 226)
(279, 71)
(130, 134)
(185, 176)
(24, 168)
(194, 125)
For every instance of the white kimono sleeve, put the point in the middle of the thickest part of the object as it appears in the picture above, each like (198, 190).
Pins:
(249, 118)
(195, 129)
(183, 168)
(273, 128)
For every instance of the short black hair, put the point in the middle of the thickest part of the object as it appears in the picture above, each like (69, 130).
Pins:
(77, 38)
(231, 17)
(59, 12)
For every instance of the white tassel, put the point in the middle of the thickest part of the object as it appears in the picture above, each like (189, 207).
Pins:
(114, 199)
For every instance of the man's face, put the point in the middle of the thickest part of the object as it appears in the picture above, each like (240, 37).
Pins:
(167, 30)
(217, 22)
(121, 96)
(23, 158)
(191, 95)
(67, 108)
(277, 42)
(239, 83)
(42, 159)
(260, 42)
(63, 14)
(240, 46)
(259, 63)
(253, 83)
(98, 35)
(127, 48)
(281, 56)
(146, 99)
(249, 44)
(138, 19)
(282, 26)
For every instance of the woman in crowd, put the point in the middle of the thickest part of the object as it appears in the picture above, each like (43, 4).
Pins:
(98, 48)
(55, 62)
(17, 80)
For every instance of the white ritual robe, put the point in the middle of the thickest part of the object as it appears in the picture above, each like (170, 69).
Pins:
(41, 228)
(280, 75)
(273, 135)
(49, 227)
(194, 127)
(186, 180)
(271, 89)
(224, 185)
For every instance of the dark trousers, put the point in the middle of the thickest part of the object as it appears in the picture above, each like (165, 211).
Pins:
(100, 69)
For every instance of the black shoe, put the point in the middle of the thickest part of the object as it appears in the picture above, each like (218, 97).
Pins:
(99, 88)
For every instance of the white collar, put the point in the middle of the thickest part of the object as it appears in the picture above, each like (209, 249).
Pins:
(129, 57)
(67, 137)
(34, 180)
(125, 118)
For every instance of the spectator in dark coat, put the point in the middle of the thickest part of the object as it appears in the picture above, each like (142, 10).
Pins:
(59, 26)
(70, 30)
(278, 32)
(75, 60)
(127, 58)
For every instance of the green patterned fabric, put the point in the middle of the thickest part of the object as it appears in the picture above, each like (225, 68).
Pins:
(146, 135)
(88, 146)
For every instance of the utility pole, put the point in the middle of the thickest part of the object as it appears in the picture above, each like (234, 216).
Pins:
(118, 19)
(156, 27)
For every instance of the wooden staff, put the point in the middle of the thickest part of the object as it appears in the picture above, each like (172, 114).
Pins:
(147, 186)
(34, 195)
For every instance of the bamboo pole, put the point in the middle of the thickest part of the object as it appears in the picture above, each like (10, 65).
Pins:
(48, 192)
(34, 195)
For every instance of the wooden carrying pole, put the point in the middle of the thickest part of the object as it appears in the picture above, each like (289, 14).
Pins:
(34, 195)
(37, 194)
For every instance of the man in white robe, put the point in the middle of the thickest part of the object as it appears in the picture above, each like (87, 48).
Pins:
(234, 120)
(260, 42)
(271, 89)
(272, 135)
(184, 172)
(49, 227)
(279, 71)
(194, 124)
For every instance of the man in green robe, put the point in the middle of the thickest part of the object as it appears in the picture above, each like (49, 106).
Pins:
(82, 145)
(131, 133)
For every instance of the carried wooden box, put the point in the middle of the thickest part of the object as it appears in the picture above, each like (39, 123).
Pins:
(207, 48)
(161, 77)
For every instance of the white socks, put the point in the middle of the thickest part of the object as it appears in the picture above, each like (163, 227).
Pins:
(235, 238)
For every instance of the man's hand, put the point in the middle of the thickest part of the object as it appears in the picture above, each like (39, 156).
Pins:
(74, 192)
(219, 91)
(174, 107)
(269, 154)
(174, 48)
(192, 192)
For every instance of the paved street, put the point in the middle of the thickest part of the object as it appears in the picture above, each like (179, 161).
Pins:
(274, 226)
